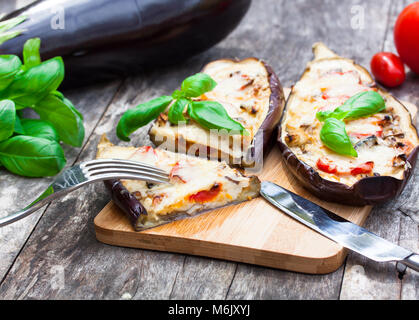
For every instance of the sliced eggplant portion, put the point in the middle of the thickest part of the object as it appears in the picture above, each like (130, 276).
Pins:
(103, 39)
(386, 142)
(251, 93)
(196, 185)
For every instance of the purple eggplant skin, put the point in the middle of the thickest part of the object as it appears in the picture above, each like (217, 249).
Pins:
(126, 201)
(106, 39)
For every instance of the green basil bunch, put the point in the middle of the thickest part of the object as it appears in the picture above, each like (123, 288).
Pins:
(333, 133)
(208, 114)
(31, 147)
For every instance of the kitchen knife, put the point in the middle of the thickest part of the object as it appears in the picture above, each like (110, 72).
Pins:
(346, 233)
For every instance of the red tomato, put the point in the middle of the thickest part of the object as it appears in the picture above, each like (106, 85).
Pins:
(206, 195)
(388, 69)
(365, 135)
(326, 165)
(363, 168)
(406, 36)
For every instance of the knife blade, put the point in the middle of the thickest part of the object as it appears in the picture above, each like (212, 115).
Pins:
(334, 227)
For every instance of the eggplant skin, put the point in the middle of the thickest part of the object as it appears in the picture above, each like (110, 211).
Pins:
(126, 201)
(267, 130)
(367, 191)
(105, 39)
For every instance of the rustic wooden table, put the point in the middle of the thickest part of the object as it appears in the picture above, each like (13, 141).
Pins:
(54, 254)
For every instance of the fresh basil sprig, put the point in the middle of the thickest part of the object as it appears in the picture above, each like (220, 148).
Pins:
(361, 105)
(208, 114)
(141, 115)
(31, 147)
(333, 133)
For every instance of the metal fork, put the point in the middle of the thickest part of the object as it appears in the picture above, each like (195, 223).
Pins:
(88, 172)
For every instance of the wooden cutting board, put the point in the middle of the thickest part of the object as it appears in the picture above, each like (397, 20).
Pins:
(253, 232)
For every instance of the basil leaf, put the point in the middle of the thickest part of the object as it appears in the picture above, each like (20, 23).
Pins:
(63, 117)
(18, 126)
(141, 115)
(59, 95)
(31, 86)
(4, 36)
(212, 115)
(333, 134)
(10, 23)
(176, 111)
(197, 85)
(32, 156)
(360, 105)
(31, 57)
(7, 119)
(323, 115)
(177, 94)
(9, 67)
(363, 104)
(40, 128)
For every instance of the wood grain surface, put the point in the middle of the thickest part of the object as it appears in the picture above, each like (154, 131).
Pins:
(54, 253)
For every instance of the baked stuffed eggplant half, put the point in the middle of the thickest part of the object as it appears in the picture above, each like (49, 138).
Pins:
(251, 94)
(195, 185)
(345, 139)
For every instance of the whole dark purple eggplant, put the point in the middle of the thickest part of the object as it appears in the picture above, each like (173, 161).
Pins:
(103, 39)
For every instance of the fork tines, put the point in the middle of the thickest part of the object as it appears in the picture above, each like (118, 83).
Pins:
(123, 169)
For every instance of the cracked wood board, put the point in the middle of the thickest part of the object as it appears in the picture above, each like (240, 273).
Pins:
(253, 232)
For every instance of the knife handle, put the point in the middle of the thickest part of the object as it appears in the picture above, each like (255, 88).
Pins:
(412, 261)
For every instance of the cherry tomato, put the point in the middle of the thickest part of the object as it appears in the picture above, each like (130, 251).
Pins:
(363, 168)
(406, 36)
(388, 69)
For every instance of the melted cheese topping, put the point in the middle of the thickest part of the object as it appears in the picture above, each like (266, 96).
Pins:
(243, 89)
(188, 176)
(326, 85)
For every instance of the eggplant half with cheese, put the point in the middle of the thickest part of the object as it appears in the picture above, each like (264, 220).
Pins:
(195, 185)
(385, 143)
(251, 94)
